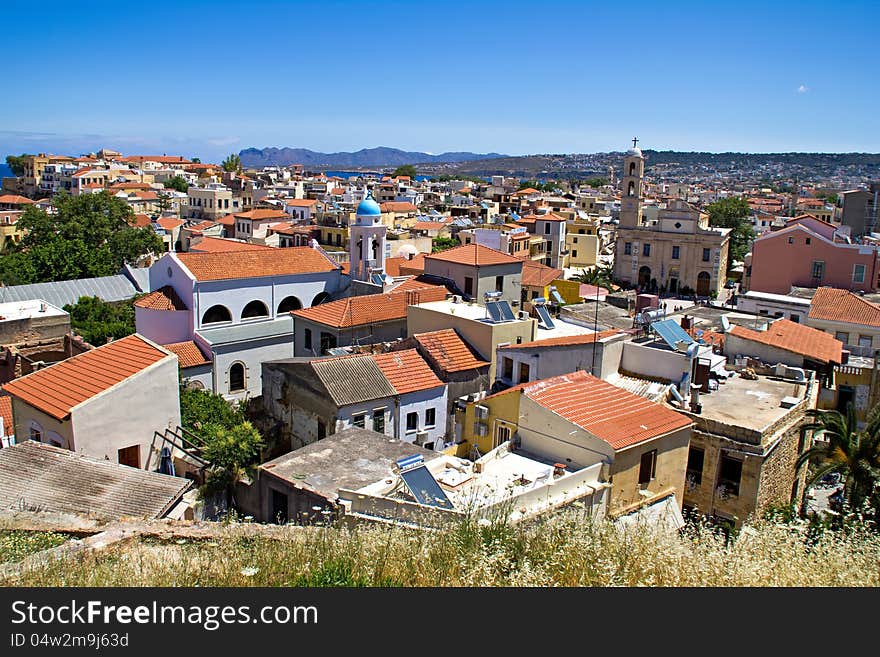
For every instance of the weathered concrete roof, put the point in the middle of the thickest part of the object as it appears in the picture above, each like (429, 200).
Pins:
(38, 476)
(353, 379)
(350, 459)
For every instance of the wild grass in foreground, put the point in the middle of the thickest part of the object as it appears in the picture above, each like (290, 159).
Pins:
(565, 550)
(16, 545)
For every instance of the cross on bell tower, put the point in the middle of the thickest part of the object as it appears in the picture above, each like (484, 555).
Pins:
(635, 142)
(631, 187)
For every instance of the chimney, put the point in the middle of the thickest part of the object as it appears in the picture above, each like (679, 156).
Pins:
(558, 469)
(686, 323)
(696, 406)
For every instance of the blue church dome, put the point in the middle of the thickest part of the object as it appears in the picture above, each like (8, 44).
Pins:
(369, 208)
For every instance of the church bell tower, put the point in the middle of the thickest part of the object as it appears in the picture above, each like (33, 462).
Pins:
(631, 187)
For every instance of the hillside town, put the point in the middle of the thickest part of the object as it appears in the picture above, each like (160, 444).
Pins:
(391, 347)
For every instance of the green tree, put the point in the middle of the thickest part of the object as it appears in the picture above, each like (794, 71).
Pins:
(600, 276)
(232, 163)
(177, 183)
(88, 236)
(200, 409)
(99, 322)
(595, 182)
(405, 170)
(16, 163)
(733, 212)
(442, 243)
(232, 452)
(196, 160)
(852, 453)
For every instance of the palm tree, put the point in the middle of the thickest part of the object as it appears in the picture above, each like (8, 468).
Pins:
(852, 453)
(598, 276)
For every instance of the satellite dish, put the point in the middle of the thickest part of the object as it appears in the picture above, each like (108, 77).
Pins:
(725, 323)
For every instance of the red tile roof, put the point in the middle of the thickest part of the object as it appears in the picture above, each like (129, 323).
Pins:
(57, 389)
(188, 354)
(537, 275)
(796, 338)
(549, 217)
(413, 266)
(449, 351)
(15, 199)
(398, 206)
(526, 192)
(169, 223)
(837, 305)
(474, 254)
(6, 414)
(414, 283)
(565, 340)
(300, 202)
(142, 220)
(221, 245)
(261, 214)
(257, 263)
(620, 418)
(130, 185)
(165, 298)
(369, 309)
(392, 266)
(407, 371)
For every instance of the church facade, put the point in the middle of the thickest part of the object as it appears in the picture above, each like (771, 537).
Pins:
(676, 253)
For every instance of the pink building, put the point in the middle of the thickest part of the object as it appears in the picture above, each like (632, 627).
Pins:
(804, 254)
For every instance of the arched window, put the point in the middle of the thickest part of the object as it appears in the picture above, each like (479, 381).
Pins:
(288, 304)
(255, 309)
(236, 377)
(632, 168)
(216, 314)
(320, 298)
(632, 189)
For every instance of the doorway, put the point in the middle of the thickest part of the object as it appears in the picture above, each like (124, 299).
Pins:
(279, 507)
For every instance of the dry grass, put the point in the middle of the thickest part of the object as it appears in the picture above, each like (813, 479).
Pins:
(562, 551)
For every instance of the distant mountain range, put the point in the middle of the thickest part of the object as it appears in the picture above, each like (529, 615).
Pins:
(366, 157)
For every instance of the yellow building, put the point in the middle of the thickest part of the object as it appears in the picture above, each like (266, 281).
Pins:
(582, 243)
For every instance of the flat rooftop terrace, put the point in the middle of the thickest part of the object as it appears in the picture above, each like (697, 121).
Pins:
(754, 405)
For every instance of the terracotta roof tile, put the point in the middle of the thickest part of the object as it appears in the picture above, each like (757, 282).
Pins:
(169, 223)
(261, 214)
(415, 283)
(253, 264)
(413, 266)
(837, 305)
(407, 371)
(15, 199)
(537, 275)
(300, 202)
(165, 298)
(398, 206)
(796, 338)
(142, 221)
(57, 389)
(449, 351)
(473, 254)
(618, 417)
(370, 308)
(565, 340)
(430, 225)
(188, 353)
(221, 245)
(6, 414)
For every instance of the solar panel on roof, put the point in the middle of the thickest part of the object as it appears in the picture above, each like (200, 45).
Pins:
(506, 311)
(671, 333)
(424, 487)
(557, 297)
(545, 317)
(494, 311)
(377, 279)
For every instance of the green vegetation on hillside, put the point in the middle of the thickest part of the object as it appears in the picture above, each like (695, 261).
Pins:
(405, 170)
(177, 183)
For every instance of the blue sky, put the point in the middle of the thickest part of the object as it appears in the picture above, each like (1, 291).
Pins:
(208, 78)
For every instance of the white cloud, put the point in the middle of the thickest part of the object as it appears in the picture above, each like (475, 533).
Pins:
(803, 89)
